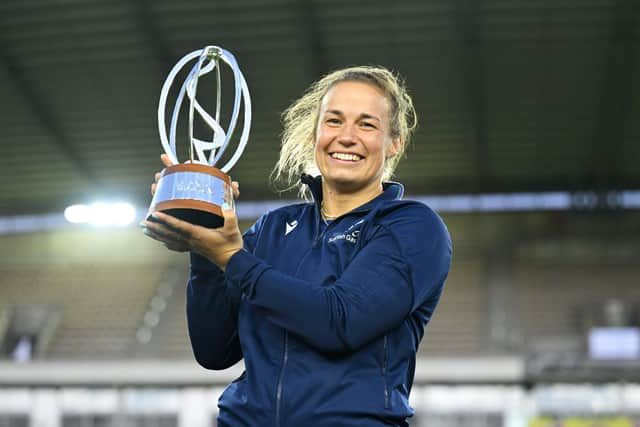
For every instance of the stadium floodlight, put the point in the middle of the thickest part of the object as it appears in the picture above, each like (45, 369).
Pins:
(101, 214)
(123, 213)
(77, 214)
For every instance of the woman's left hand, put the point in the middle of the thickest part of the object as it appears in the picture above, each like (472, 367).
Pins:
(216, 244)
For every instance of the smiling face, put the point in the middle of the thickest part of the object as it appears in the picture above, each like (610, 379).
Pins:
(353, 138)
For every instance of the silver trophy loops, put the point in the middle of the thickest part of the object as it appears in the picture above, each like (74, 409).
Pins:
(195, 190)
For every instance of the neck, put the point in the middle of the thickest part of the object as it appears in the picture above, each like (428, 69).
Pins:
(336, 203)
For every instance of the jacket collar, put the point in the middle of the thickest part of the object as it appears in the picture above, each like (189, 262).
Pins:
(391, 191)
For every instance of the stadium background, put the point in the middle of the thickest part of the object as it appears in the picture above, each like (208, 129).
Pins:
(528, 146)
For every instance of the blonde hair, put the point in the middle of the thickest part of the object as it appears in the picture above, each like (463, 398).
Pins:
(301, 118)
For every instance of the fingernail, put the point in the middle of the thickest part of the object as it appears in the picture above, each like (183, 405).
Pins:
(143, 225)
(226, 206)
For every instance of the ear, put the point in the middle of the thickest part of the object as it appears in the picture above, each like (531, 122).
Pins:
(394, 148)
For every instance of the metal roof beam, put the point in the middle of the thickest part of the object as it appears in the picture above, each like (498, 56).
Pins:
(44, 115)
(306, 11)
(616, 96)
(146, 22)
(470, 63)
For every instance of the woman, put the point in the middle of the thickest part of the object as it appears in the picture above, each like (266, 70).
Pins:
(325, 301)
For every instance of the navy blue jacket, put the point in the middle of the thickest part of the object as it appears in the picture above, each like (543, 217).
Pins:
(327, 318)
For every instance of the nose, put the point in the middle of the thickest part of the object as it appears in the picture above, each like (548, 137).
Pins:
(347, 135)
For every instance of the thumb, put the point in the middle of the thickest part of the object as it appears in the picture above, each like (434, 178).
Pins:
(164, 158)
(229, 215)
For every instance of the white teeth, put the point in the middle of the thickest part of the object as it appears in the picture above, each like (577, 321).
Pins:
(345, 156)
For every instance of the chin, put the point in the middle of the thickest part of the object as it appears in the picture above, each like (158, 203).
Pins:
(346, 184)
(340, 179)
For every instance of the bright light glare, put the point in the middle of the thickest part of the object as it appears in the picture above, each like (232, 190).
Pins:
(123, 213)
(77, 214)
(101, 214)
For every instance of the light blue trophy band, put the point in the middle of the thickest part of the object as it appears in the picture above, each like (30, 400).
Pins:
(190, 186)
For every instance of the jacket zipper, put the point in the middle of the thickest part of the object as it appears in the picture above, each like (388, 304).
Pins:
(327, 226)
(321, 234)
(384, 373)
(285, 356)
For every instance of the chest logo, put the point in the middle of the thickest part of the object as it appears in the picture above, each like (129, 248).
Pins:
(289, 226)
(348, 236)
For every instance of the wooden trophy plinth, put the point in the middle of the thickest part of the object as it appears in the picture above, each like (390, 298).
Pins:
(194, 193)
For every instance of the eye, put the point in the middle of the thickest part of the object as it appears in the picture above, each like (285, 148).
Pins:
(369, 125)
(332, 121)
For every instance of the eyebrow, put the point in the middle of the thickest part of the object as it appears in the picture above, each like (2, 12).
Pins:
(361, 116)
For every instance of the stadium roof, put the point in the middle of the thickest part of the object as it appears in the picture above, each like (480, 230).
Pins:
(513, 96)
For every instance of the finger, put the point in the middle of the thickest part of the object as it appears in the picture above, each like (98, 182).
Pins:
(230, 218)
(177, 247)
(163, 229)
(155, 236)
(236, 189)
(153, 189)
(166, 160)
(175, 225)
(157, 176)
(164, 232)
(169, 244)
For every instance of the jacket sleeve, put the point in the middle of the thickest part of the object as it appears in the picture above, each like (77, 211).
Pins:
(212, 310)
(402, 266)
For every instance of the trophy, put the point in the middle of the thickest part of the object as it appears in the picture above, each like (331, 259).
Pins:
(195, 190)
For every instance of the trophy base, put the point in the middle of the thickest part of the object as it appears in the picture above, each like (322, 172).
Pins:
(193, 216)
(193, 193)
